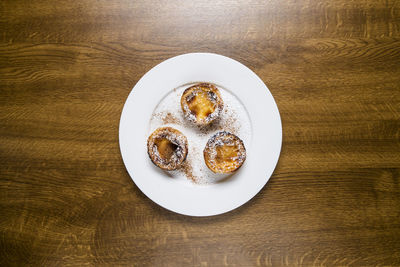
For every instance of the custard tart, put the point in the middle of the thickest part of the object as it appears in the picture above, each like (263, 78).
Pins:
(167, 148)
(202, 103)
(224, 153)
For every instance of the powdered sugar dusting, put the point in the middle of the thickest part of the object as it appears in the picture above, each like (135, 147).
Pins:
(233, 119)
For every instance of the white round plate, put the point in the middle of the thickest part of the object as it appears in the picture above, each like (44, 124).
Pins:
(262, 153)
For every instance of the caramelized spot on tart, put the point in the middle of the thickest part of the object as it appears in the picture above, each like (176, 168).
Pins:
(200, 105)
(165, 148)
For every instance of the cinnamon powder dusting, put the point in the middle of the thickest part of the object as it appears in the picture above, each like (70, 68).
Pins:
(188, 170)
(230, 125)
(169, 118)
(233, 119)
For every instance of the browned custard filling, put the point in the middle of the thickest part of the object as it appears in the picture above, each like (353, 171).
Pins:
(201, 103)
(167, 148)
(224, 153)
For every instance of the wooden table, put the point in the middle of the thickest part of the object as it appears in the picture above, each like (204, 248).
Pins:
(66, 68)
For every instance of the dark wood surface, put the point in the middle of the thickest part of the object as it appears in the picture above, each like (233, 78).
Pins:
(66, 68)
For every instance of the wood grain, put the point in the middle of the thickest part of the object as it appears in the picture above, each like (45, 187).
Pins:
(66, 68)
